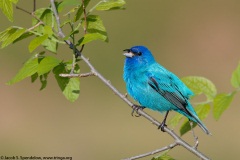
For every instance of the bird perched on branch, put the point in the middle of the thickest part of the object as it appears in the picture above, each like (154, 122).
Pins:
(155, 87)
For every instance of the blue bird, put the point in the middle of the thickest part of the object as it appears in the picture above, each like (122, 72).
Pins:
(155, 87)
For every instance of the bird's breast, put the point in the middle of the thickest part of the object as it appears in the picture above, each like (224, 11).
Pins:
(138, 88)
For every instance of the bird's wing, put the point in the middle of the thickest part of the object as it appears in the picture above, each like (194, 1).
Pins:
(170, 87)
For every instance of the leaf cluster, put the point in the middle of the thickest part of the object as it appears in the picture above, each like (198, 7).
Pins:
(45, 39)
(217, 102)
(6, 7)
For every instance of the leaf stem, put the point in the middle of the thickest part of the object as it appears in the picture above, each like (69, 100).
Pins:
(91, 10)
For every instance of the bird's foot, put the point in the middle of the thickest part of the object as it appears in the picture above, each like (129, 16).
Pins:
(161, 126)
(135, 109)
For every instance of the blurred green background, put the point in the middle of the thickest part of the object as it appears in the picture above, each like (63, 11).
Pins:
(188, 37)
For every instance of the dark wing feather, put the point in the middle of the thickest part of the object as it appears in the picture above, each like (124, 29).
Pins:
(176, 98)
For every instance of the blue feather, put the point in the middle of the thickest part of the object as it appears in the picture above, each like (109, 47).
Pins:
(155, 87)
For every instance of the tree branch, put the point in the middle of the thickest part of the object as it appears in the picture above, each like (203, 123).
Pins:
(153, 152)
(177, 139)
(33, 15)
(85, 26)
(34, 5)
(35, 26)
(194, 135)
(17, 7)
(77, 75)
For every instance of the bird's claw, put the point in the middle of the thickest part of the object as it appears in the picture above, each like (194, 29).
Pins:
(161, 126)
(135, 109)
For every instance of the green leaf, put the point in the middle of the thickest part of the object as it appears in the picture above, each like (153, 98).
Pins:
(7, 9)
(72, 90)
(47, 64)
(67, 3)
(186, 127)
(91, 37)
(71, 34)
(110, 4)
(43, 80)
(95, 29)
(23, 36)
(64, 4)
(174, 121)
(46, 15)
(50, 44)
(201, 85)
(34, 77)
(74, 31)
(6, 33)
(94, 24)
(202, 111)
(14, 1)
(71, 11)
(69, 87)
(62, 82)
(48, 30)
(221, 103)
(28, 69)
(235, 80)
(38, 13)
(80, 10)
(68, 21)
(163, 156)
(12, 37)
(36, 42)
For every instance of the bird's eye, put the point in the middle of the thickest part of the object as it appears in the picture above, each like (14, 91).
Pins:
(137, 53)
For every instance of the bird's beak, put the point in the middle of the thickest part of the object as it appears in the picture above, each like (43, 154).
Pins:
(128, 53)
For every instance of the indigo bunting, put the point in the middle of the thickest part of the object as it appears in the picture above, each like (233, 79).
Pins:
(155, 87)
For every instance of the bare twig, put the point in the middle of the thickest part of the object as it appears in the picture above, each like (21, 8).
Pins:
(85, 21)
(194, 135)
(85, 18)
(85, 32)
(77, 75)
(73, 64)
(153, 152)
(30, 13)
(177, 139)
(34, 5)
(35, 26)
(17, 7)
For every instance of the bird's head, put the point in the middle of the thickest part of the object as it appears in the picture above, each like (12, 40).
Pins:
(138, 56)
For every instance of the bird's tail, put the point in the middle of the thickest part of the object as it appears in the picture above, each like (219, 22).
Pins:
(203, 127)
(195, 118)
